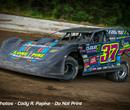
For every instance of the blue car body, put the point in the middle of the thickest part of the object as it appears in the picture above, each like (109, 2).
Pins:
(46, 56)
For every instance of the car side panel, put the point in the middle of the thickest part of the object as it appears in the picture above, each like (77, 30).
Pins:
(125, 46)
(101, 56)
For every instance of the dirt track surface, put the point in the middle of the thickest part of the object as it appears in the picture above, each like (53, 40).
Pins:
(95, 92)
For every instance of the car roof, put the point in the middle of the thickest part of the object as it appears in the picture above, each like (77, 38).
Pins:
(89, 29)
(82, 29)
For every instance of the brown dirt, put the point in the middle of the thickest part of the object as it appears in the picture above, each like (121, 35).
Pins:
(95, 92)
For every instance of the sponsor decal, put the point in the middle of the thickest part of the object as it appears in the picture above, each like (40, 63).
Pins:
(37, 55)
(27, 55)
(120, 32)
(40, 46)
(85, 56)
(105, 67)
(99, 68)
(91, 49)
(87, 65)
(112, 32)
(54, 50)
(121, 51)
(24, 53)
(86, 60)
(93, 60)
(80, 48)
(109, 51)
(98, 48)
(32, 51)
(94, 69)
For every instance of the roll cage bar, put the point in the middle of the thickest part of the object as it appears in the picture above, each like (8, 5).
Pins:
(104, 32)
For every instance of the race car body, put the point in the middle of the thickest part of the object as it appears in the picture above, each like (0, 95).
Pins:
(79, 50)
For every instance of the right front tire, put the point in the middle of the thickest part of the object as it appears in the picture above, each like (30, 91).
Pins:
(70, 68)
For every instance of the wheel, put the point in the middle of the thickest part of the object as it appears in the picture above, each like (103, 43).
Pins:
(120, 75)
(70, 68)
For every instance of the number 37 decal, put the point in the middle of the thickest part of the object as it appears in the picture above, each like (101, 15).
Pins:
(109, 52)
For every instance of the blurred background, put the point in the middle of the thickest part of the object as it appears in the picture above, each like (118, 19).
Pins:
(96, 12)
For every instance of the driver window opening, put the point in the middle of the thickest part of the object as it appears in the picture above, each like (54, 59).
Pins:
(97, 37)
(86, 37)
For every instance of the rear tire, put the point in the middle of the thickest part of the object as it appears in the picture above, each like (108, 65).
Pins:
(121, 75)
(70, 68)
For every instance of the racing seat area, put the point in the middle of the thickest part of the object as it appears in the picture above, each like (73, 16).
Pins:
(101, 37)
(97, 38)
(85, 37)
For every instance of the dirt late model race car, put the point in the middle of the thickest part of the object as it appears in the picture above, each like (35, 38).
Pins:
(80, 50)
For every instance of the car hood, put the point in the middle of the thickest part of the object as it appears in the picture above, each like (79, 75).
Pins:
(32, 50)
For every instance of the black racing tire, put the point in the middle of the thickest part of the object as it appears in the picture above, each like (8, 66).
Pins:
(70, 68)
(121, 75)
